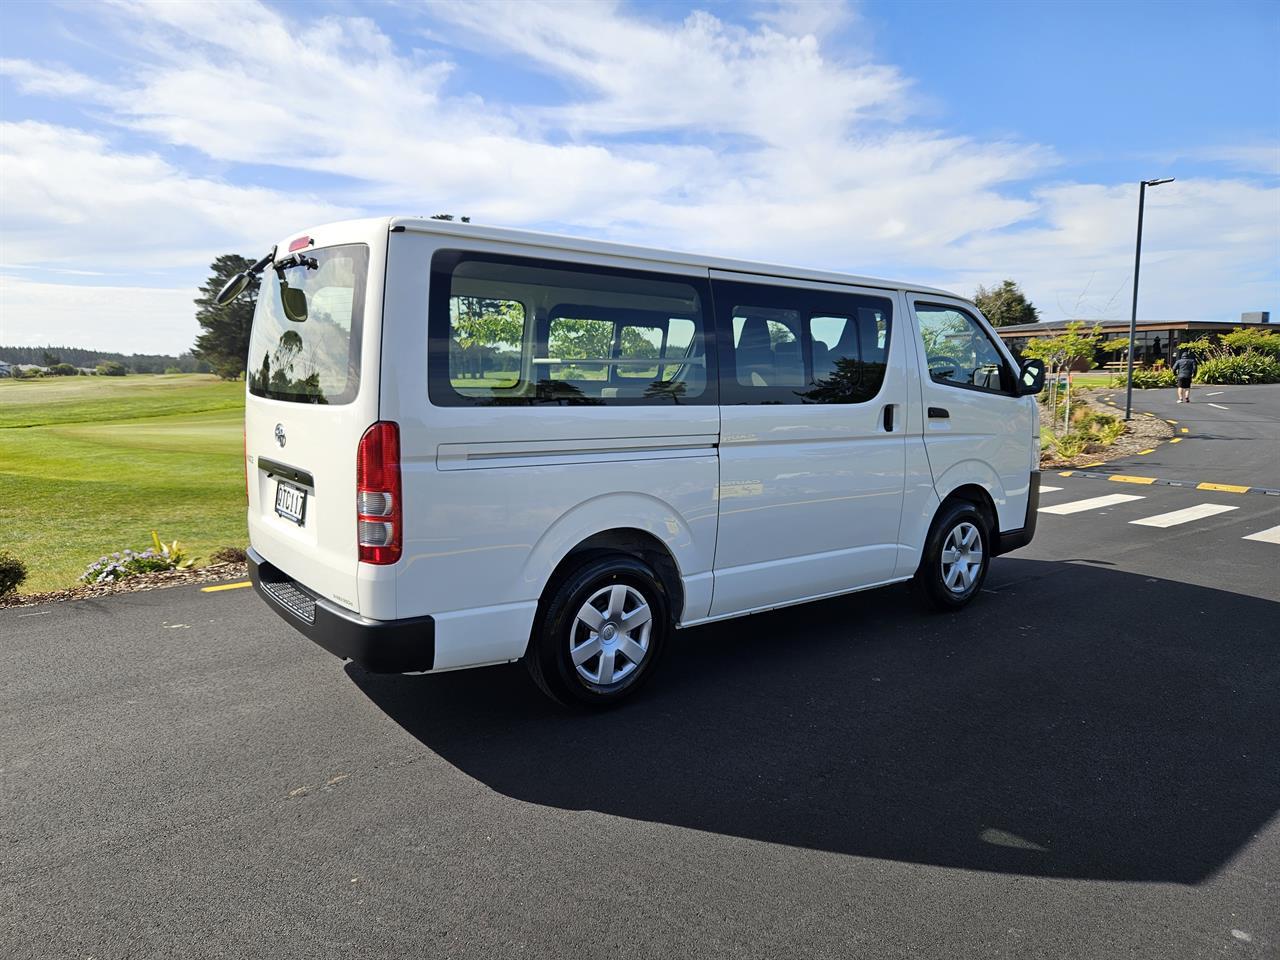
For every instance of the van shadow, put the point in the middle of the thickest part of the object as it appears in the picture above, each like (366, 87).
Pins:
(1075, 722)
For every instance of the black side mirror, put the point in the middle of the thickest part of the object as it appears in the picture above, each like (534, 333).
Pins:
(1031, 378)
(234, 287)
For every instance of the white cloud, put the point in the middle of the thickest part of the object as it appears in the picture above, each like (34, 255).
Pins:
(750, 141)
(71, 201)
(122, 319)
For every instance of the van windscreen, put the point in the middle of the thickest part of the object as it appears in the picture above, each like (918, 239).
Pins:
(310, 355)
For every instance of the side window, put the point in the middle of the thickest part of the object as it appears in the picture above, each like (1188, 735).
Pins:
(959, 352)
(792, 345)
(485, 343)
(515, 330)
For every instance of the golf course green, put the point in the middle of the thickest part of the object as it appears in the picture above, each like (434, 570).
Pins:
(91, 465)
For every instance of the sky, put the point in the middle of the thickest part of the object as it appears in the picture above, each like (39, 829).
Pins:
(951, 144)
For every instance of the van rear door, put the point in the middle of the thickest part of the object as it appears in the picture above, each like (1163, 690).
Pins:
(312, 392)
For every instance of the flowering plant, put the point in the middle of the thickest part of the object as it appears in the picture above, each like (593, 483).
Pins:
(127, 563)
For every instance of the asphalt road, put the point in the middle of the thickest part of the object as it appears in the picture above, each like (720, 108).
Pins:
(1232, 434)
(1082, 764)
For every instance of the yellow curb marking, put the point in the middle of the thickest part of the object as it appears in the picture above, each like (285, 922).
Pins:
(1171, 421)
(226, 586)
(1065, 473)
(1096, 463)
(1223, 487)
(1176, 440)
(1143, 453)
(1121, 478)
(1184, 429)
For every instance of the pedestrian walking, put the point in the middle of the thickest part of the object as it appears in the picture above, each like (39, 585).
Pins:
(1184, 368)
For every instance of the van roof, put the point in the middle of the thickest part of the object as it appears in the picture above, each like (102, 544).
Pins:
(585, 245)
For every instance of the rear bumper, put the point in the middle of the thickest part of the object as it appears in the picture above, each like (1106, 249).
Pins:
(1013, 539)
(382, 646)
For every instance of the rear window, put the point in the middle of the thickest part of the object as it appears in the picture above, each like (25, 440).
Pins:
(316, 358)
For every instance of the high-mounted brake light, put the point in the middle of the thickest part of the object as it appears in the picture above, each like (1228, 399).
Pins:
(378, 515)
(299, 243)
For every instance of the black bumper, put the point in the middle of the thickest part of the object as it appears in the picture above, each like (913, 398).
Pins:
(1013, 539)
(382, 646)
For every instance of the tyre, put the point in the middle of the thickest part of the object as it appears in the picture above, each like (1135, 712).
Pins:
(956, 556)
(600, 632)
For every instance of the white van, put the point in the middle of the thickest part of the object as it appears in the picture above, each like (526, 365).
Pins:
(467, 445)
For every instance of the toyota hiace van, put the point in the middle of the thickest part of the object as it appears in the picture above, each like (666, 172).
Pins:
(467, 445)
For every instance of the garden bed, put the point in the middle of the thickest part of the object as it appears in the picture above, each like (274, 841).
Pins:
(145, 581)
(1143, 432)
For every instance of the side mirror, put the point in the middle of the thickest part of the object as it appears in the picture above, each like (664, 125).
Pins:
(235, 286)
(1031, 378)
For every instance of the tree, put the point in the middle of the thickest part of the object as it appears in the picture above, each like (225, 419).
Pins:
(1005, 305)
(1061, 353)
(225, 341)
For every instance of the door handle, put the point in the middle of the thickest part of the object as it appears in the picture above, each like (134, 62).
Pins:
(888, 418)
(939, 413)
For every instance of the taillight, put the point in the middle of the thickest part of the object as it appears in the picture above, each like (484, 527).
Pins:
(378, 494)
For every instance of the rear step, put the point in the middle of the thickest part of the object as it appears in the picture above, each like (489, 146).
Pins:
(380, 646)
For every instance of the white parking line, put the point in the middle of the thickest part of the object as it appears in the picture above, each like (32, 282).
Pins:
(1093, 503)
(1176, 517)
(1216, 393)
(1050, 489)
(1271, 535)
(1219, 406)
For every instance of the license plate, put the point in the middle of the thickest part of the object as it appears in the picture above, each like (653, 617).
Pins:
(291, 502)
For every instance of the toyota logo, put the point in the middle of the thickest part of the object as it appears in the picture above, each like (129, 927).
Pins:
(280, 434)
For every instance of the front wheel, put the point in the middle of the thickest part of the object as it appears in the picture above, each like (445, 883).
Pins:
(599, 633)
(956, 556)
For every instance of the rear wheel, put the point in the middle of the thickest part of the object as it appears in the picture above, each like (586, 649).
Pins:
(956, 556)
(600, 632)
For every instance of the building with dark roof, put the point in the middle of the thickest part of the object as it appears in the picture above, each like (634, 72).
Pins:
(1156, 340)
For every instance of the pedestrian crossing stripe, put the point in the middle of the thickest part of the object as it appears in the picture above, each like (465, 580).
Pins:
(1050, 489)
(1271, 535)
(1093, 503)
(1186, 515)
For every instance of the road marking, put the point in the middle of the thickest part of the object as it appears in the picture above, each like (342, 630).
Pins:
(1216, 393)
(226, 586)
(1185, 429)
(1223, 487)
(1122, 478)
(1176, 440)
(1219, 406)
(1093, 503)
(1171, 421)
(1186, 515)
(42, 613)
(1050, 489)
(1271, 535)
(1143, 453)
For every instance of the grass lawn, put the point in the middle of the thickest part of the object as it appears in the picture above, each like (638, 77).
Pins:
(91, 465)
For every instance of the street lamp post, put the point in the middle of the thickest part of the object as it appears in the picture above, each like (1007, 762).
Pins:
(1133, 315)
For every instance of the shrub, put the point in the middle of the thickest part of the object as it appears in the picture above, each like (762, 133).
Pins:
(229, 555)
(64, 370)
(127, 563)
(12, 572)
(1250, 367)
(1071, 445)
(110, 368)
(1252, 340)
(172, 369)
(1144, 379)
